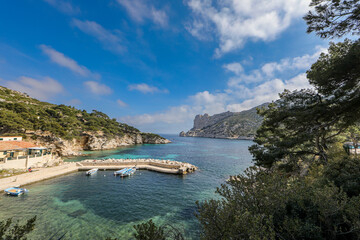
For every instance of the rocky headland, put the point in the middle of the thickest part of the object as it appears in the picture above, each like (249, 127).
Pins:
(91, 141)
(65, 129)
(228, 125)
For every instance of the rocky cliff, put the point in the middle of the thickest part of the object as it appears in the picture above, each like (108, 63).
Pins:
(232, 125)
(64, 128)
(90, 141)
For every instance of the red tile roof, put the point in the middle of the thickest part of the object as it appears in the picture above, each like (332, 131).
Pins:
(13, 145)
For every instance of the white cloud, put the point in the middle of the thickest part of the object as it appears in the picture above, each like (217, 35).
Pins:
(303, 62)
(64, 61)
(268, 70)
(121, 103)
(110, 41)
(269, 91)
(173, 115)
(74, 102)
(251, 90)
(97, 88)
(140, 11)
(234, 67)
(145, 88)
(63, 6)
(234, 22)
(43, 89)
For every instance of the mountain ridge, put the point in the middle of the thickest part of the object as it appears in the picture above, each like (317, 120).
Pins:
(229, 125)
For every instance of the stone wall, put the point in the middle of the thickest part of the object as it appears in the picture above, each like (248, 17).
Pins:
(40, 161)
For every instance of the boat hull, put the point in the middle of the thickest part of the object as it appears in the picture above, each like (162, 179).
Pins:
(129, 172)
(92, 171)
(120, 172)
(14, 191)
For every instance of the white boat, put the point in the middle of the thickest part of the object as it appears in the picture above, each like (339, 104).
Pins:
(15, 191)
(91, 171)
(119, 172)
(129, 172)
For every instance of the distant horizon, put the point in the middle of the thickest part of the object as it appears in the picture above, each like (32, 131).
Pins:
(152, 64)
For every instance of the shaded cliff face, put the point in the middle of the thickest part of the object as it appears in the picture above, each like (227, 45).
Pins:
(91, 141)
(203, 121)
(232, 125)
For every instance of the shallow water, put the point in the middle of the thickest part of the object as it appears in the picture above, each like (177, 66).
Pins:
(102, 205)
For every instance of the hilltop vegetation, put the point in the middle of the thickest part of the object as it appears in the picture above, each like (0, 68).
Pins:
(20, 113)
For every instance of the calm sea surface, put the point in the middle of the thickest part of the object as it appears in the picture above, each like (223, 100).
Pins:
(102, 205)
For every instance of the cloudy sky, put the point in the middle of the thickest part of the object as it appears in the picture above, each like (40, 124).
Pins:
(155, 64)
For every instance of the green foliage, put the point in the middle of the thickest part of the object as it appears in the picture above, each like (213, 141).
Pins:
(19, 113)
(16, 231)
(261, 205)
(151, 136)
(334, 18)
(302, 125)
(344, 173)
(149, 231)
(337, 72)
(297, 127)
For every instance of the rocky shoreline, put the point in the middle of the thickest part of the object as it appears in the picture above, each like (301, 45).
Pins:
(197, 135)
(91, 141)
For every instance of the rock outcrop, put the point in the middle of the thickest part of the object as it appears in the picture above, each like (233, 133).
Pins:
(203, 121)
(230, 125)
(91, 141)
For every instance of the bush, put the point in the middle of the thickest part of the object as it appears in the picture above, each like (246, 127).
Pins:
(260, 205)
(344, 173)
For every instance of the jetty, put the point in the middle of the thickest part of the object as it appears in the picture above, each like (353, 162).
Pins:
(40, 174)
(163, 166)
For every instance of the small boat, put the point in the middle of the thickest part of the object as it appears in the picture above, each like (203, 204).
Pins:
(91, 171)
(15, 191)
(119, 172)
(129, 172)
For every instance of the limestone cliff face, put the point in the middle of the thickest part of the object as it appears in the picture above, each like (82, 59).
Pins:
(203, 121)
(231, 125)
(91, 141)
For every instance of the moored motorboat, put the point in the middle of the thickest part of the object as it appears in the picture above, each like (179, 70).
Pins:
(91, 171)
(129, 172)
(15, 191)
(119, 172)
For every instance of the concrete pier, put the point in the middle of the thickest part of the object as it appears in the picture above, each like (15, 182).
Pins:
(164, 166)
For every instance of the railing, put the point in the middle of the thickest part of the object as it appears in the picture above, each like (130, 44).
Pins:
(23, 157)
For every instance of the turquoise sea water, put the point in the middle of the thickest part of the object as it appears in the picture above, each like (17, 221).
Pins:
(102, 205)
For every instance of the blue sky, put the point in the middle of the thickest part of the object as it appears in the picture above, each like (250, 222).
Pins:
(156, 64)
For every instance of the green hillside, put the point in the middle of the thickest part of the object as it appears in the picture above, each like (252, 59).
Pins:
(19, 112)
